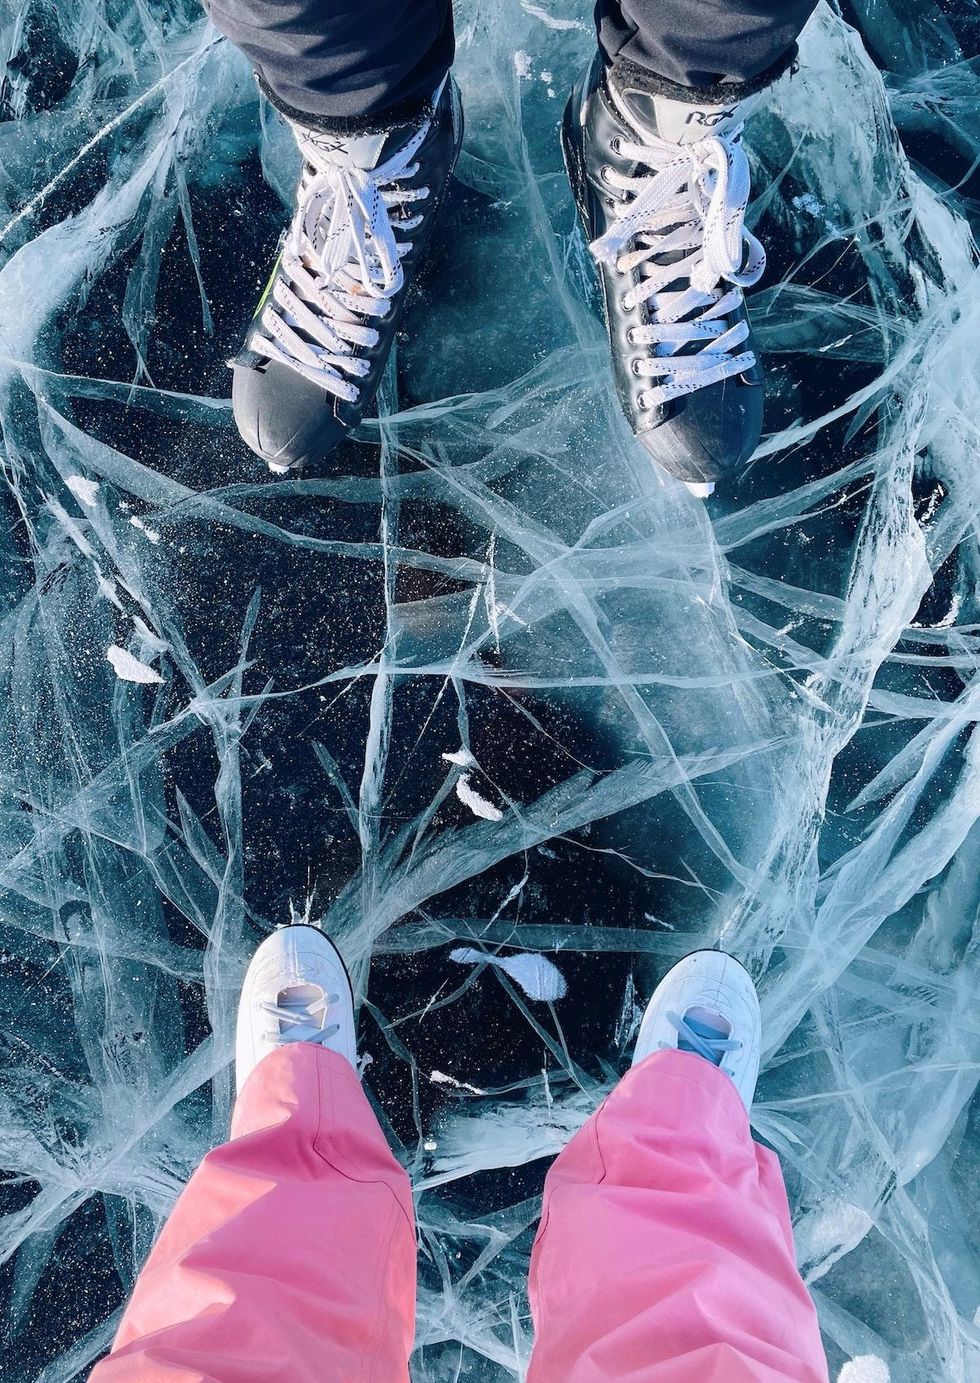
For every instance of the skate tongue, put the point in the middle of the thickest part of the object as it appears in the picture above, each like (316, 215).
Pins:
(678, 122)
(364, 151)
(710, 1028)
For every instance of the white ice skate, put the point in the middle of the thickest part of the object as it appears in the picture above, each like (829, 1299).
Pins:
(296, 990)
(707, 1004)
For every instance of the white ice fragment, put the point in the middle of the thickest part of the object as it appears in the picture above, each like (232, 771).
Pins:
(440, 1078)
(812, 206)
(130, 669)
(461, 757)
(548, 77)
(539, 977)
(430, 1145)
(84, 490)
(809, 204)
(478, 805)
(522, 63)
(952, 614)
(151, 533)
(865, 1368)
(839, 1224)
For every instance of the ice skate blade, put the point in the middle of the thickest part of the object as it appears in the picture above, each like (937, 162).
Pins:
(701, 489)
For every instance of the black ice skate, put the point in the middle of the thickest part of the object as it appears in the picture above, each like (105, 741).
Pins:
(662, 186)
(316, 348)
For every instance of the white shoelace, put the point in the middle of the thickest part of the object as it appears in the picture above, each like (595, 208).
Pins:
(341, 264)
(694, 201)
(302, 1023)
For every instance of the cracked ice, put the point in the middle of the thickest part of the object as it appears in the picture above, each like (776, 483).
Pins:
(755, 721)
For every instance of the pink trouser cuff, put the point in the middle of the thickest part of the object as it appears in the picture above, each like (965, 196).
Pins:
(664, 1254)
(665, 1250)
(290, 1257)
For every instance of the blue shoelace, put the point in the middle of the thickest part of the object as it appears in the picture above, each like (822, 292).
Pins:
(695, 1035)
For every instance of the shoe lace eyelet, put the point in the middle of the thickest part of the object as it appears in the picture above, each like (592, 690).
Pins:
(616, 144)
(635, 366)
(604, 172)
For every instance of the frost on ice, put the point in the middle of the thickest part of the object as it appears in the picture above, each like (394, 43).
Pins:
(751, 723)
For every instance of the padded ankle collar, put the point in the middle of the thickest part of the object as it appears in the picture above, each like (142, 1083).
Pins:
(411, 112)
(630, 74)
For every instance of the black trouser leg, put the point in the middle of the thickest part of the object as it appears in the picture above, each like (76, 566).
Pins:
(689, 48)
(348, 66)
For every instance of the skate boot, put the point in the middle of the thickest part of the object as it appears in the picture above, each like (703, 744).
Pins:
(296, 990)
(662, 186)
(316, 349)
(707, 1004)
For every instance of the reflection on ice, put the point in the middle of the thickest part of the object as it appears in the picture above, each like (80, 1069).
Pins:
(493, 693)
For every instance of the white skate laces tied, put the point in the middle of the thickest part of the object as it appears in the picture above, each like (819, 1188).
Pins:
(695, 201)
(300, 1024)
(340, 264)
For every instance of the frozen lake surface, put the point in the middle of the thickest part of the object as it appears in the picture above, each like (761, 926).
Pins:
(492, 686)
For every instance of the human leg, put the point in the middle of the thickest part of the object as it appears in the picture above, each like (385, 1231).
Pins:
(686, 47)
(665, 1250)
(290, 1255)
(363, 85)
(653, 144)
(347, 66)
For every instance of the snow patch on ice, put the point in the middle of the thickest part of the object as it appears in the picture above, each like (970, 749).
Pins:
(478, 805)
(440, 1078)
(462, 758)
(143, 527)
(539, 977)
(865, 1368)
(522, 63)
(130, 669)
(84, 490)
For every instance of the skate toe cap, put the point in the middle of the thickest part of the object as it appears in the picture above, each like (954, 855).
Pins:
(708, 435)
(285, 419)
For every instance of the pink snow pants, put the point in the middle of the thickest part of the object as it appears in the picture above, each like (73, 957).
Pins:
(665, 1250)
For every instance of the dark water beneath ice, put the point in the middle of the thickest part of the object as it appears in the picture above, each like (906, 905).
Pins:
(750, 723)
